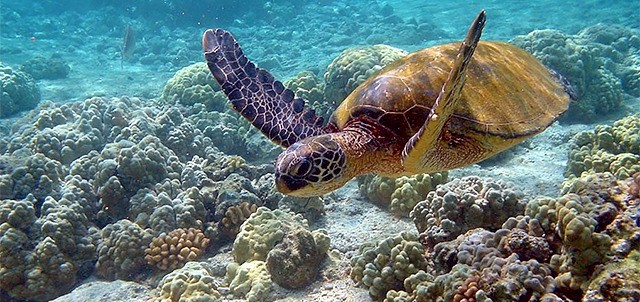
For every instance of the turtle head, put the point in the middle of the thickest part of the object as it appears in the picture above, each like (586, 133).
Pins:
(311, 167)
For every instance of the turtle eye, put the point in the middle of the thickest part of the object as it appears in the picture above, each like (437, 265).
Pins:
(301, 169)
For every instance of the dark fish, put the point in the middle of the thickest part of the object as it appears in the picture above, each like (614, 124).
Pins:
(128, 44)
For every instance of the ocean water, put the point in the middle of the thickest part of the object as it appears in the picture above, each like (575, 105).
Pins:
(113, 132)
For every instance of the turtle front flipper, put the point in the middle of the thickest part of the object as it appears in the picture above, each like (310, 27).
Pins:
(418, 154)
(255, 94)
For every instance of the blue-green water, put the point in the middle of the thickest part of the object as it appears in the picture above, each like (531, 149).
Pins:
(123, 146)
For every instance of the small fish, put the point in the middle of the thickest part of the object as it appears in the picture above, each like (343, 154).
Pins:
(128, 44)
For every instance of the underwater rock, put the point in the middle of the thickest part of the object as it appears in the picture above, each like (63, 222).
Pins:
(281, 244)
(42, 68)
(18, 91)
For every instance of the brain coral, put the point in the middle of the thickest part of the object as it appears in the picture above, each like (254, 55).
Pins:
(173, 250)
(601, 63)
(464, 204)
(614, 149)
(18, 91)
(194, 84)
(399, 194)
(353, 66)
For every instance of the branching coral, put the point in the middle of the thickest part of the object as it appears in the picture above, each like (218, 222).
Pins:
(173, 250)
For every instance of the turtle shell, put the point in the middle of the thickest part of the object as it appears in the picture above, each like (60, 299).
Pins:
(508, 93)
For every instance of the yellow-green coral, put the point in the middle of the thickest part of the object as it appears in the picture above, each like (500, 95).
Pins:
(353, 66)
(399, 194)
(583, 248)
(614, 149)
(194, 84)
(261, 232)
(191, 283)
(250, 279)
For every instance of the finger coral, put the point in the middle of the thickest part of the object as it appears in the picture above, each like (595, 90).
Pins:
(171, 251)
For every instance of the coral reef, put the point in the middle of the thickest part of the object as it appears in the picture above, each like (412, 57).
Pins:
(463, 204)
(42, 68)
(171, 251)
(385, 265)
(18, 91)
(44, 252)
(353, 66)
(275, 245)
(598, 62)
(250, 280)
(308, 86)
(294, 263)
(576, 246)
(121, 250)
(194, 84)
(614, 149)
(191, 283)
(401, 194)
(235, 216)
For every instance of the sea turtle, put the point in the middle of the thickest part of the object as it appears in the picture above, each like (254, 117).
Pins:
(413, 116)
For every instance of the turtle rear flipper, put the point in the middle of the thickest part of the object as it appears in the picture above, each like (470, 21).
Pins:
(418, 151)
(255, 94)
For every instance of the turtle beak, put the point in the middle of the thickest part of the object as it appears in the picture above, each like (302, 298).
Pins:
(288, 185)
